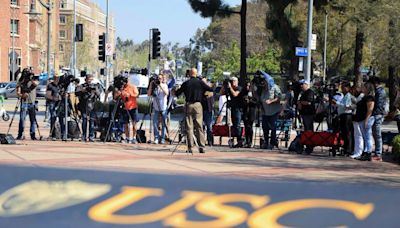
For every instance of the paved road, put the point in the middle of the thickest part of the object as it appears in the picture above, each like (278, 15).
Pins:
(42, 197)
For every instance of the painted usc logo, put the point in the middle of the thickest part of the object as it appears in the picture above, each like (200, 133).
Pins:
(37, 196)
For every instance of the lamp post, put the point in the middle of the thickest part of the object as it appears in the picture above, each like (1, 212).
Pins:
(32, 12)
(309, 38)
(74, 42)
(13, 78)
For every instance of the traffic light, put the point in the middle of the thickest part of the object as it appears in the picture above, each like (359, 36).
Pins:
(156, 44)
(102, 47)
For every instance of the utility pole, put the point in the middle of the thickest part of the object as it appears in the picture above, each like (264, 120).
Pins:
(74, 42)
(243, 43)
(307, 75)
(13, 78)
(107, 41)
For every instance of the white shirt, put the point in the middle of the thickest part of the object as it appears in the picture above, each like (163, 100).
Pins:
(162, 98)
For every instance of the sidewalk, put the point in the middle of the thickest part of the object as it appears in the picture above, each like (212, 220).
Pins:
(217, 161)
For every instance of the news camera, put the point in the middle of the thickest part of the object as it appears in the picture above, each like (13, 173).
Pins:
(65, 80)
(120, 81)
(27, 76)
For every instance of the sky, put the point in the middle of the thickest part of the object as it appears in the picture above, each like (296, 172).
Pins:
(175, 19)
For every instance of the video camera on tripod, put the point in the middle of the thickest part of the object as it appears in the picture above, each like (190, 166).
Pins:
(120, 81)
(27, 76)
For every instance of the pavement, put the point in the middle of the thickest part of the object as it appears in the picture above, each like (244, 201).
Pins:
(112, 176)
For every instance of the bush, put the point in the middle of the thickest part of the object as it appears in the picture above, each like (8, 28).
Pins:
(396, 148)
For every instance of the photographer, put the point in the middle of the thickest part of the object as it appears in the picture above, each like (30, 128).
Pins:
(208, 112)
(158, 89)
(128, 93)
(88, 94)
(26, 92)
(233, 90)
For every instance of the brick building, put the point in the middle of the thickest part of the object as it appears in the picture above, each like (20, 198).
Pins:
(26, 36)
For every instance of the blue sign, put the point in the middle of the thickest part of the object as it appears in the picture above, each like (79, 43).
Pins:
(300, 51)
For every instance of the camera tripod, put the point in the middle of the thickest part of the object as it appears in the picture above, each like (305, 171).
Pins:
(112, 119)
(67, 106)
(182, 133)
(19, 105)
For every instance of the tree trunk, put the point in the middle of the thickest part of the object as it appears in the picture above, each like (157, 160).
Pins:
(243, 64)
(358, 56)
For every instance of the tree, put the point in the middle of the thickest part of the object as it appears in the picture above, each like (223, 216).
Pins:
(212, 8)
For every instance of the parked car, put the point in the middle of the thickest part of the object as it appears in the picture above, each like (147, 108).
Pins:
(41, 88)
(9, 91)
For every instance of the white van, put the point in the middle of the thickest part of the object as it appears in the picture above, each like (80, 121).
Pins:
(141, 82)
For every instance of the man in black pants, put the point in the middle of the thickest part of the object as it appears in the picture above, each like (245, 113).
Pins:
(306, 108)
(194, 90)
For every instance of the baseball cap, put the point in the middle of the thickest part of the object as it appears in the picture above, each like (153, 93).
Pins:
(303, 81)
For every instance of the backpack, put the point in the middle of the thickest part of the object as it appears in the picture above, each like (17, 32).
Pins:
(295, 145)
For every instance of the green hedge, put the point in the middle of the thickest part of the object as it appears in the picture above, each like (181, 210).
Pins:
(396, 148)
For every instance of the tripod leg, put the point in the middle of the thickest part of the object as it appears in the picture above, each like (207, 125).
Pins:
(15, 112)
(111, 120)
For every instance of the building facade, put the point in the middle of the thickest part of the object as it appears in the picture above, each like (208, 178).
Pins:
(23, 39)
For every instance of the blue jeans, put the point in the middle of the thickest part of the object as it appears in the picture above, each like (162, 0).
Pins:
(27, 109)
(52, 106)
(377, 131)
(269, 124)
(208, 121)
(156, 122)
(367, 134)
(91, 125)
(236, 119)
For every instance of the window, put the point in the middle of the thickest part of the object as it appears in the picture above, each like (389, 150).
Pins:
(63, 4)
(63, 19)
(14, 26)
(14, 2)
(61, 47)
(62, 34)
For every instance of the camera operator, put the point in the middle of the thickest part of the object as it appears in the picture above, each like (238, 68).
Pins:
(26, 92)
(128, 93)
(249, 113)
(53, 97)
(306, 107)
(194, 90)
(158, 89)
(88, 94)
(234, 91)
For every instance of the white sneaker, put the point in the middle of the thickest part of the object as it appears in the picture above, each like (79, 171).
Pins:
(155, 141)
(355, 156)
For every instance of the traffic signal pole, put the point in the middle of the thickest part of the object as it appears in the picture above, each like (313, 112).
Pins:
(107, 73)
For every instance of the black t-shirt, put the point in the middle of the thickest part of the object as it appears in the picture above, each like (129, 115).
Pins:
(53, 88)
(361, 111)
(236, 102)
(308, 96)
(193, 89)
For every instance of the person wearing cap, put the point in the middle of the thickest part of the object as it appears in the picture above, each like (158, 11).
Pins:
(234, 92)
(306, 107)
(194, 90)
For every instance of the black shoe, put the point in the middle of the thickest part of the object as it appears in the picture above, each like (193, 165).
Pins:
(33, 138)
(365, 157)
(189, 151)
(20, 138)
(239, 145)
(201, 151)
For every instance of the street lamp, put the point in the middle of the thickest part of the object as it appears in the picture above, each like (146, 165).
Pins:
(33, 12)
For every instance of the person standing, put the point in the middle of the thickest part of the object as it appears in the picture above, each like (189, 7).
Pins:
(159, 91)
(208, 113)
(249, 113)
(26, 93)
(234, 92)
(194, 90)
(306, 107)
(363, 124)
(88, 94)
(128, 94)
(270, 99)
(378, 116)
(345, 112)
